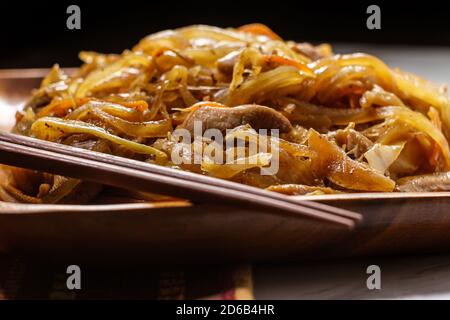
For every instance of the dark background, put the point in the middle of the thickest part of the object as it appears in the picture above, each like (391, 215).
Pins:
(34, 34)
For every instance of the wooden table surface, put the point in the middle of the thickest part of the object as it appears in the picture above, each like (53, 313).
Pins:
(410, 277)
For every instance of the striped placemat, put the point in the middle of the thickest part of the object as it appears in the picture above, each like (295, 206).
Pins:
(27, 278)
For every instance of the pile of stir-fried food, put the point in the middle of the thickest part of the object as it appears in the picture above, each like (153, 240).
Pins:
(347, 123)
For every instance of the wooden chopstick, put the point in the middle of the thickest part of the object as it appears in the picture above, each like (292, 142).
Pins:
(87, 154)
(124, 177)
(121, 172)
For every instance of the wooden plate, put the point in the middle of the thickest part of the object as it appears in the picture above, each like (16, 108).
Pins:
(177, 232)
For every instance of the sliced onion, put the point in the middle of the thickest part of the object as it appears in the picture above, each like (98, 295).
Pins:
(49, 128)
(230, 169)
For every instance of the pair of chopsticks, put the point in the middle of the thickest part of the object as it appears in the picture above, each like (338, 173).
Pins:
(26, 152)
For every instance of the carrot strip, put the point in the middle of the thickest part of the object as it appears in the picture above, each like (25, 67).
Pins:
(278, 60)
(139, 105)
(201, 104)
(180, 116)
(259, 29)
(59, 108)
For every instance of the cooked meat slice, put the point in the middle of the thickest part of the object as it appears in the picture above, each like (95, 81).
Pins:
(226, 63)
(427, 182)
(258, 117)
